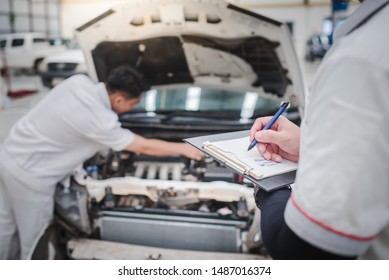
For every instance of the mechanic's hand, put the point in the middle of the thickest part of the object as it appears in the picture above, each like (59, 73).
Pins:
(191, 152)
(282, 140)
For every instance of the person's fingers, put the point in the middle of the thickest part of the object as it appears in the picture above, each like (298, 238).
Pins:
(199, 156)
(258, 125)
(276, 157)
(269, 152)
(195, 157)
(191, 152)
(261, 149)
(268, 136)
(265, 150)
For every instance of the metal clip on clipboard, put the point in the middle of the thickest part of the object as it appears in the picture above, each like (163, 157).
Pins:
(228, 161)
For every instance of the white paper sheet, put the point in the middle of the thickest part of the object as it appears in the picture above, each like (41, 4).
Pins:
(236, 149)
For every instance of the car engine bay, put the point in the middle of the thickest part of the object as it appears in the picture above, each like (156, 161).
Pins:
(171, 203)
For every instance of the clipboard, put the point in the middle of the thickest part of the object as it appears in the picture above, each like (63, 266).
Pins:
(270, 183)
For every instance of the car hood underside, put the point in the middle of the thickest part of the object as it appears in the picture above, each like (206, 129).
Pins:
(201, 43)
(253, 59)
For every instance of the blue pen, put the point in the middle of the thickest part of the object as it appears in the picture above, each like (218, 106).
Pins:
(282, 108)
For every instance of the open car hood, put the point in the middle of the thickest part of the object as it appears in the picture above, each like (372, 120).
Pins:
(203, 43)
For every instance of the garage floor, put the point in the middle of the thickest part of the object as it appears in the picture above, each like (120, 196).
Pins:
(11, 109)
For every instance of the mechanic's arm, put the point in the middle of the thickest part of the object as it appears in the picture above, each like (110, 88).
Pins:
(280, 241)
(281, 141)
(155, 147)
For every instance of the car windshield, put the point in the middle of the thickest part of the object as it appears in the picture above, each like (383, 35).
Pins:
(202, 99)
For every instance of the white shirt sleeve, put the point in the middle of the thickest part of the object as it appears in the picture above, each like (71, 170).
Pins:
(111, 134)
(340, 201)
(104, 127)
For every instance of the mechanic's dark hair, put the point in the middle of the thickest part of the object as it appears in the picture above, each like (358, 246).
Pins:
(127, 80)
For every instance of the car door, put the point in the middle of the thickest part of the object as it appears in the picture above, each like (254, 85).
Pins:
(16, 52)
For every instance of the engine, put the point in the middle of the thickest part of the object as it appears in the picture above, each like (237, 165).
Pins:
(171, 202)
(121, 164)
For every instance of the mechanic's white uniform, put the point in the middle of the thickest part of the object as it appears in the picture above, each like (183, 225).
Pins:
(68, 126)
(341, 199)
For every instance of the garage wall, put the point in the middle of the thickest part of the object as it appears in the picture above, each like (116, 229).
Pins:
(305, 16)
(30, 16)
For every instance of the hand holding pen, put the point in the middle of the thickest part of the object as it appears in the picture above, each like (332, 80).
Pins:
(276, 137)
(282, 108)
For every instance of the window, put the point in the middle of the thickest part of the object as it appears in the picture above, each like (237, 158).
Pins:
(17, 42)
(206, 99)
(3, 43)
(39, 40)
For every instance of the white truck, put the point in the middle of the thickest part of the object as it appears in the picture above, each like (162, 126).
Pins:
(26, 50)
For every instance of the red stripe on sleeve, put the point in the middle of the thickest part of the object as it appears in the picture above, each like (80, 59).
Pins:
(328, 228)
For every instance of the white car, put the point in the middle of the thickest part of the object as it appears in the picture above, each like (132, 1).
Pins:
(57, 67)
(27, 50)
(214, 67)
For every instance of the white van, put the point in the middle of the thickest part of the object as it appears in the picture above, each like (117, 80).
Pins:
(26, 50)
